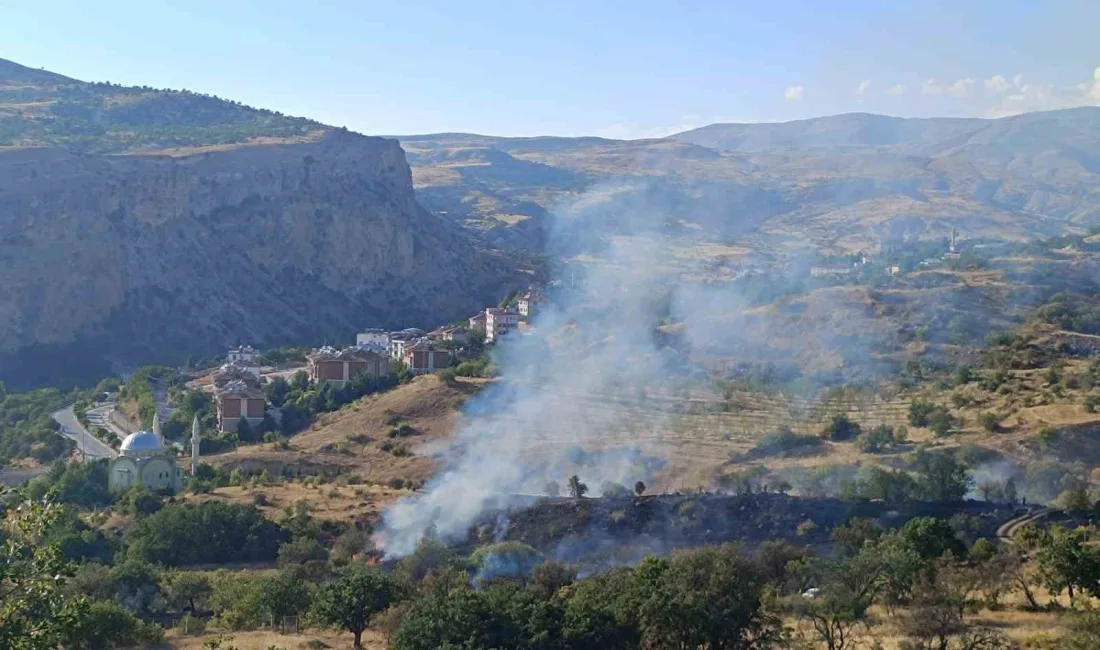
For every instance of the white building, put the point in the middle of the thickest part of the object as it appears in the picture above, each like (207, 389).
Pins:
(373, 338)
(242, 354)
(499, 323)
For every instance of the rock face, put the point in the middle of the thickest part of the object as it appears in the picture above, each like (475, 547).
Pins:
(116, 260)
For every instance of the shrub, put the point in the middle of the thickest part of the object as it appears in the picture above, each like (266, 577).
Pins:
(783, 441)
(919, 412)
(1092, 403)
(209, 532)
(876, 440)
(841, 427)
(990, 421)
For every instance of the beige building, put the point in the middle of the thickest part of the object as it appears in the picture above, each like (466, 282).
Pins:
(499, 323)
(239, 399)
(477, 322)
(339, 366)
(423, 356)
(143, 460)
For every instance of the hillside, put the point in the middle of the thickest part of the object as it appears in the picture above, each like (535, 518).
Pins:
(837, 183)
(221, 224)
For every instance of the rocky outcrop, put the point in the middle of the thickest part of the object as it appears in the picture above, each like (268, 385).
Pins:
(128, 259)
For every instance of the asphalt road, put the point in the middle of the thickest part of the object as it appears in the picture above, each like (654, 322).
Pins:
(72, 429)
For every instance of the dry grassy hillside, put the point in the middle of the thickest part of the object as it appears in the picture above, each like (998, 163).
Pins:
(351, 440)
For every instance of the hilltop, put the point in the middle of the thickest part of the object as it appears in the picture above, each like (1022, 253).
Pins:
(40, 108)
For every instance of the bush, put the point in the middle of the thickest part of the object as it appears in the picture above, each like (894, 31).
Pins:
(919, 412)
(876, 440)
(841, 427)
(1092, 403)
(990, 421)
(205, 533)
(783, 441)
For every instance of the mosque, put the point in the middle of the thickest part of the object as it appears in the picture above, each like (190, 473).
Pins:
(143, 459)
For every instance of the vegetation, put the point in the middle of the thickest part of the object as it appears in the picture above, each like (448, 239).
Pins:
(204, 533)
(26, 429)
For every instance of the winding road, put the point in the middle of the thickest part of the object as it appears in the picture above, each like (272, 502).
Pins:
(72, 429)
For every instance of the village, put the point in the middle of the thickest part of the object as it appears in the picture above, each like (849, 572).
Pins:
(236, 388)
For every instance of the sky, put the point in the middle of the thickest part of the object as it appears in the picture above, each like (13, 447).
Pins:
(615, 69)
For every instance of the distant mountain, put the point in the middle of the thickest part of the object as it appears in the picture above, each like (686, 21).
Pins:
(837, 183)
(220, 225)
(837, 131)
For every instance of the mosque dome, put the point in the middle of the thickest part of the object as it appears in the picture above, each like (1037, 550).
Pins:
(142, 442)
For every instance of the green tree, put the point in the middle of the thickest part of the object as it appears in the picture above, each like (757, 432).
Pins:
(34, 610)
(577, 489)
(284, 595)
(351, 600)
(941, 477)
(876, 440)
(107, 624)
(930, 538)
(1067, 562)
(208, 532)
(708, 598)
(840, 428)
(187, 590)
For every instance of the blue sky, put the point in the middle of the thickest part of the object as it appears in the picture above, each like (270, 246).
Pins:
(617, 69)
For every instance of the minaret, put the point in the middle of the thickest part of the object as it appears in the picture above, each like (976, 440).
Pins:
(156, 426)
(195, 446)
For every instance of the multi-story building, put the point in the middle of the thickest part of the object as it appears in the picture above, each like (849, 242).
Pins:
(499, 322)
(247, 371)
(339, 366)
(398, 340)
(373, 339)
(238, 399)
(423, 355)
(241, 354)
(456, 335)
(528, 304)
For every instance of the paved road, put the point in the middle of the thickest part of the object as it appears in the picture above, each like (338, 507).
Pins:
(100, 416)
(72, 429)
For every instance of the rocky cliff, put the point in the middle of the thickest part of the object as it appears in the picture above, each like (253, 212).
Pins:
(114, 260)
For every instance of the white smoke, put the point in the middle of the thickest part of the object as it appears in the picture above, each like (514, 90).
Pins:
(570, 387)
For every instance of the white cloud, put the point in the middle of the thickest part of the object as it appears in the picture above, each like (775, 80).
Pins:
(997, 84)
(961, 88)
(862, 88)
(1018, 80)
(931, 87)
(897, 89)
(794, 93)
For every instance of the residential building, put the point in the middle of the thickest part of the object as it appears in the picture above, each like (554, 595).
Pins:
(242, 354)
(338, 366)
(236, 370)
(456, 335)
(239, 399)
(423, 355)
(373, 339)
(528, 304)
(399, 339)
(477, 322)
(499, 323)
